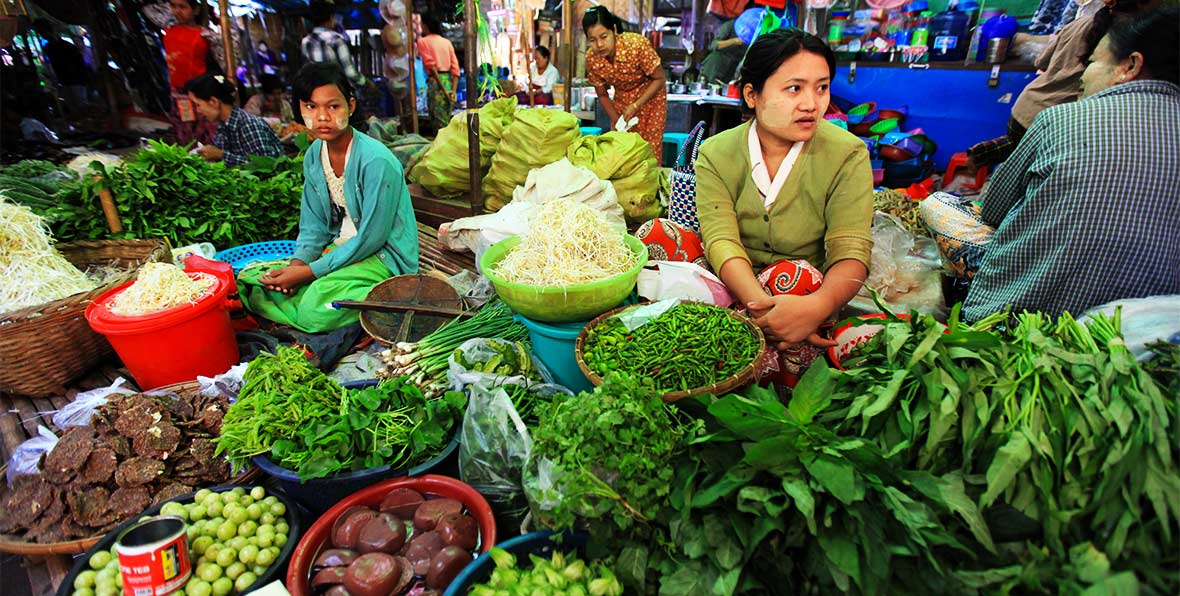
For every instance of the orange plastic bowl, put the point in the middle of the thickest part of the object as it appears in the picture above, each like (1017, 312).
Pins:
(316, 538)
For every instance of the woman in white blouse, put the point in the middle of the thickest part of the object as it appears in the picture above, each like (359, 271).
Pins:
(542, 83)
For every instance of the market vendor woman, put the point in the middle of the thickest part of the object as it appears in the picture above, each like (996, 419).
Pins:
(240, 135)
(356, 224)
(782, 198)
(628, 63)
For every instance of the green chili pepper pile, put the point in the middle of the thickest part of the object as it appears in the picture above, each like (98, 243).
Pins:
(308, 423)
(688, 347)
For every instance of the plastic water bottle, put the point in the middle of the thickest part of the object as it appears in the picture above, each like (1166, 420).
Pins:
(1000, 27)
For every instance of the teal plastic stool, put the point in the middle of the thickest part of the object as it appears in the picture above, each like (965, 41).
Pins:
(673, 141)
(553, 344)
(588, 131)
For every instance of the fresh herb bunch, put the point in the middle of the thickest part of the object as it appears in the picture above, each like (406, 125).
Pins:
(1164, 367)
(304, 421)
(31, 168)
(604, 456)
(688, 347)
(164, 191)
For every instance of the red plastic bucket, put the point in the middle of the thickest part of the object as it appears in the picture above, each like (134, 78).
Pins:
(173, 345)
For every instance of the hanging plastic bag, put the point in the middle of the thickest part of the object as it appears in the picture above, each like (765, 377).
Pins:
(494, 445)
(26, 458)
(79, 411)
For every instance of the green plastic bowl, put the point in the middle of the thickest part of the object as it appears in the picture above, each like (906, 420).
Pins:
(562, 304)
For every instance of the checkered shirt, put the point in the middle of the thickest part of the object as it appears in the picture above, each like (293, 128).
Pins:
(245, 135)
(1087, 209)
(325, 45)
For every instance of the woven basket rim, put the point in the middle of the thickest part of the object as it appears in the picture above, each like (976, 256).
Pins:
(13, 545)
(40, 310)
(735, 381)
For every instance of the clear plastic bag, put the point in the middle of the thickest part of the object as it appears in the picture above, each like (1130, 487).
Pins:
(228, 383)
(79, 411)
(26, 458)
(906, 270)
(502, 362)
(494, 445)
(1144, 321)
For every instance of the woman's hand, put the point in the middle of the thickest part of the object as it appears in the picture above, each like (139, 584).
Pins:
(211, 153)
(288, 279)
(790, 320)
(630, 111)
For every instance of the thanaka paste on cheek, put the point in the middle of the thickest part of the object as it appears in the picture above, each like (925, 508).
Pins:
(776, 114)
(341, 121)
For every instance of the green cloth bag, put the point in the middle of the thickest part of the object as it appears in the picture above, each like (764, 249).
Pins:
(310, 309)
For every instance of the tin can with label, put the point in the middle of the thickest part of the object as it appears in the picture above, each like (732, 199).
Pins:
(153, 556)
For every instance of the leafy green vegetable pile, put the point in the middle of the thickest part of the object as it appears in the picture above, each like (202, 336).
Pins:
(306, 422)
(604, 456)
(688, 347)
(950, 459)
(559, 574)
(167, 192)
(1164, 367)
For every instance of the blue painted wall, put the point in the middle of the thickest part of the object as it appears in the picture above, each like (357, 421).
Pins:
(955, 107)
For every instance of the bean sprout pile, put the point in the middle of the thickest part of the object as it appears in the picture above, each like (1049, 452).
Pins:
(569, 244)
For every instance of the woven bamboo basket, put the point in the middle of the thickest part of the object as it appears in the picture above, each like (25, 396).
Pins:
(733, 383)
(19, 546)
(44, 347)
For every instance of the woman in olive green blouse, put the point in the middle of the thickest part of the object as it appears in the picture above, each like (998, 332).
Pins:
(787, 194)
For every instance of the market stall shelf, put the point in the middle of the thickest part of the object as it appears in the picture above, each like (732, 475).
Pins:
(46, 346)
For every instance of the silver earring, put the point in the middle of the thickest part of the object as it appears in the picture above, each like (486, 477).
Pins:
(1123, 78)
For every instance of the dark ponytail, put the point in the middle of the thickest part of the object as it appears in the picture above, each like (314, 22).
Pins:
(600, 15)
(208, 86)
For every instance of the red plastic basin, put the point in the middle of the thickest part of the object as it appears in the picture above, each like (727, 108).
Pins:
(174, 345)
(317, 536)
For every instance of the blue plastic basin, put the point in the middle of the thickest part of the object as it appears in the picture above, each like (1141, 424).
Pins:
(553, 344)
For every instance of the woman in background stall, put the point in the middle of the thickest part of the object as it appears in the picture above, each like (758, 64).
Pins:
(542, 76)
(186, 52)
(627, 63)
(442, 71)
(240, 135)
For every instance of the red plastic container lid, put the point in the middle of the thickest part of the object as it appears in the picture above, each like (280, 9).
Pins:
(102, 320)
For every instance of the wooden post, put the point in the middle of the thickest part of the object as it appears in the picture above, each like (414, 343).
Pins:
(567, 36)
(227, 40)
(411, 52)
(109, 210)
(471, 59)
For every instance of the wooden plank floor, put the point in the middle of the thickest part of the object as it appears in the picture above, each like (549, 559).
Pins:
(20, 417)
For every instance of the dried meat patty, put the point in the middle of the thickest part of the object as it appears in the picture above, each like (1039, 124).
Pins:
(138, 471)
(91, 506)
(171, 491)
(158, 441)
(127, 502)
(69, 454)
(100, 466)
(29, 498)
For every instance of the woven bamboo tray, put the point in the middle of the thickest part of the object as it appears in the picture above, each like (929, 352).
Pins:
(44, 347)
(18, 546)
(733, 383)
